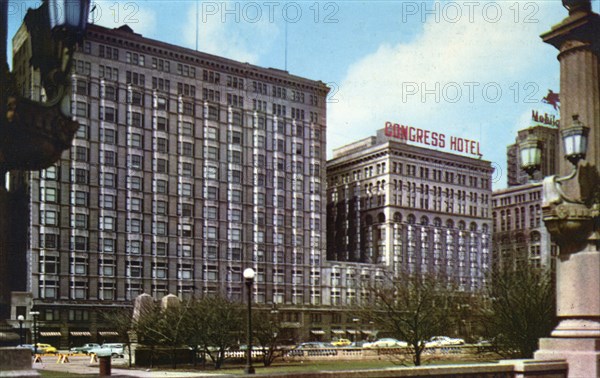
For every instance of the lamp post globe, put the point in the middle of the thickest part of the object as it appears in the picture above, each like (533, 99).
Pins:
(249, 274)
(35, 315)
(20, 318)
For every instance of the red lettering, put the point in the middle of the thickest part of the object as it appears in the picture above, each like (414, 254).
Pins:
(411, 133)
(472, 147)
(419, 136)
(426, 136)
(453, 143)
(442, 140)
(388, 129)
(403, 132)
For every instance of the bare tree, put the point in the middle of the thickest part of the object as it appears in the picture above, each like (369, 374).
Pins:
(165, 328)
(219, 325)
(411, 307)
(120, 320)
(268, 334)
(519, 311)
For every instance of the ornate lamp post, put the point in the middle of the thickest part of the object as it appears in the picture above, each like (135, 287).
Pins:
(249, 278)
(34, 134)
(20, 318)
(35, 315)
(571, 204)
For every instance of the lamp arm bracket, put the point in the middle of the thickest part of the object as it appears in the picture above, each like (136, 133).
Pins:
(552, 192)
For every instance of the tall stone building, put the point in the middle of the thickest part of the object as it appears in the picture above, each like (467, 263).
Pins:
(398, 206)
(187, 169)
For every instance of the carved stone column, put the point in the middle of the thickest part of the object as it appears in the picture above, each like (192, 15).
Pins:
(571, 212)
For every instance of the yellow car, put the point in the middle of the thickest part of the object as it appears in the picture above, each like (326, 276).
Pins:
(341, 342)
(46, 348)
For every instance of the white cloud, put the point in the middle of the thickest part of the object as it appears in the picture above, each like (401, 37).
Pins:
(112, 14)
(252, 36)
(505, 55)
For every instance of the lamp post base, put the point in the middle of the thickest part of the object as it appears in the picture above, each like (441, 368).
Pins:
(582, 354)
(249, 370)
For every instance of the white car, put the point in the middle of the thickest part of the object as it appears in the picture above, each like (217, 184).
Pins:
(386, 343)
(115, 350)
(442, 341)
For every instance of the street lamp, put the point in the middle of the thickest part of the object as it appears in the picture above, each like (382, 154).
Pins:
(21, 318)
(34, 134)
(356, 328)
(35, 315)
(249, 274)
(575, 140)
(531, 154)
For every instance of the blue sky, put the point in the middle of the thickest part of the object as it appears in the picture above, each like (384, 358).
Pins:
(472, 69)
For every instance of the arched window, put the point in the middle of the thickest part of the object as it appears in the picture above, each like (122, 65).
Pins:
(411, 219)
(381, 218)
(450, 223)
(397, 217)
(437, 222)
(461, 225)
(485, 228)
(473, 227)
(424, 221)
(535, 237)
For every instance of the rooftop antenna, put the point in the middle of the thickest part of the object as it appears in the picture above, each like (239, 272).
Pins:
(196, 25)
(286, 44)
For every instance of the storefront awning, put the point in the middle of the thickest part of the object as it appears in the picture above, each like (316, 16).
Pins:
(81, 333)
(351, 331)
(368, 332)
(50, 333)
(317, 331)
(338, 331)
(108, 333)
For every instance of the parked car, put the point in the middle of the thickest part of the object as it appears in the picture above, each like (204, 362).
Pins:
(115, 349)
(442, 341)
(85, 348)
(386, 343)
(341, 342)
(46, 348)
(313, 348)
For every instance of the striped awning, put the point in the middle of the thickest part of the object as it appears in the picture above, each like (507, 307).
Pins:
(338, 331)
(108, 333)
(50, 333)
(81, 333)
(317, 331)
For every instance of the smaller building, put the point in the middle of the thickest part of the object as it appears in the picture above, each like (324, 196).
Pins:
(519, 235)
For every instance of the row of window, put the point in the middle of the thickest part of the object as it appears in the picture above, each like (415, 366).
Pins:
(411, 170)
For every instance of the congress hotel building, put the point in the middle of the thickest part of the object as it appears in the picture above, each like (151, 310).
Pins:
(404, 207)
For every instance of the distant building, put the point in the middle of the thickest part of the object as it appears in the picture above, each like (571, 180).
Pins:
(397, 206)
(519, 234)
(187, 168)
(545, 128)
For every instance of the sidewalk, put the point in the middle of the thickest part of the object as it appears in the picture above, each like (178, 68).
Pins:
(81, 365)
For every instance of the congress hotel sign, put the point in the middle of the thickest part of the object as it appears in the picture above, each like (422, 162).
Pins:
(432, 138)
